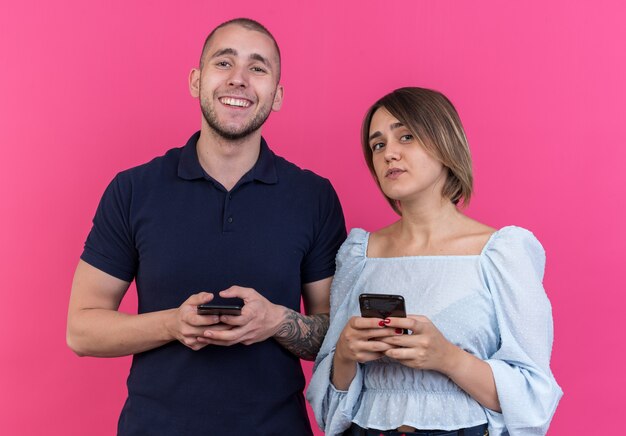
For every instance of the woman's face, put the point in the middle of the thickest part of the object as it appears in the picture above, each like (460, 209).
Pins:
(405, 170)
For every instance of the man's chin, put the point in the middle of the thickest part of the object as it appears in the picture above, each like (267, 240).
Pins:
(234, 131)
(233, 134)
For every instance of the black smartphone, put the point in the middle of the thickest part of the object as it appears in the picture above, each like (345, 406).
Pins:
(382, 306)
(221, 306)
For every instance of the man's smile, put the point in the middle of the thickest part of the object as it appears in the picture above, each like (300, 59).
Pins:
(233, 101)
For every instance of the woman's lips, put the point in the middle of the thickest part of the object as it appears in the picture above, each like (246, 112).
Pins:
(394, 173)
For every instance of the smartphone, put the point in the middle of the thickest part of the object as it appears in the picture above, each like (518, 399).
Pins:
(382, 306)
(221, 306)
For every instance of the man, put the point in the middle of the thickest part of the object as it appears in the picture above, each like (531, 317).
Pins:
(221, 215)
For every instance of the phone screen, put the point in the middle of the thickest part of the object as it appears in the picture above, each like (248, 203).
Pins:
(382, 306)
(221, 306)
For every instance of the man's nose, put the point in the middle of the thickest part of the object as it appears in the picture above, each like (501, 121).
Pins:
(238, 77)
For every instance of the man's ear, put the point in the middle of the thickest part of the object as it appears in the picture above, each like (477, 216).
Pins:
(194, 83)
(278, 98)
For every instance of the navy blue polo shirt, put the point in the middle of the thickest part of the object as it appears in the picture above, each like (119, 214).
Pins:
(176, 231)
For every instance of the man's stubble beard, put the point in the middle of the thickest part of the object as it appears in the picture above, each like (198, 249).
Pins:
(233, 134)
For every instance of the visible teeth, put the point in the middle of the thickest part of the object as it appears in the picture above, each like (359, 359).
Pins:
(235, 102)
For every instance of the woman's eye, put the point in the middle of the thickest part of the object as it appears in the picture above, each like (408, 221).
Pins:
(406, 138)
(377, 146)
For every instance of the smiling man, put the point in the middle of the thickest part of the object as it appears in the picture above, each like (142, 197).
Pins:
(221, 217)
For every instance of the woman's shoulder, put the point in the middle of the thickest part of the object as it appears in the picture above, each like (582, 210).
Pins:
(472, 237)
(357, 235)
(512, 238)
(356, 238)
(354, 247)
(514, 248)
(379, 239)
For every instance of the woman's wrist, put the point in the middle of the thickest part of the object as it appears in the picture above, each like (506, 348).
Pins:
(342, 371)
(454, 361)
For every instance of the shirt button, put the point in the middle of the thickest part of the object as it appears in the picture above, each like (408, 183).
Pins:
(230, 219)
(230, 196)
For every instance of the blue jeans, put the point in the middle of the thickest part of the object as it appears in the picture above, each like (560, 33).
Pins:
(479, 430)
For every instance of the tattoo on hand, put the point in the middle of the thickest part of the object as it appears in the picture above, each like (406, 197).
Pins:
(303, 335)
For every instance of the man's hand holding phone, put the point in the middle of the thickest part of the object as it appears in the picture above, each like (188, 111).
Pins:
(187, 326)
(221, 306)
(259, 319)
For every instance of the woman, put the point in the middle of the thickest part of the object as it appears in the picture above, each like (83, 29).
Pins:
(476, 359)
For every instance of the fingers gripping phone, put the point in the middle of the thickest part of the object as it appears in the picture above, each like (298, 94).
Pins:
(382, 306)
(221, 306)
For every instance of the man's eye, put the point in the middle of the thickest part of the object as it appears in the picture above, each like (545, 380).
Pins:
(258, 69)
(223, 64)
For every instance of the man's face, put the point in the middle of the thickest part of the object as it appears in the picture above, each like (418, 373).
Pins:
(238, 84)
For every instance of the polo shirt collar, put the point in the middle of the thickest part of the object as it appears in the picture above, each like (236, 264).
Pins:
(189, 168)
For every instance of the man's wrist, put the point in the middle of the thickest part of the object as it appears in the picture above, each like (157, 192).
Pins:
(301, 334)
(280, 316)
(169, 325)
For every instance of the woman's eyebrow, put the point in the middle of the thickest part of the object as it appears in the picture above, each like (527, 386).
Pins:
(377, 133)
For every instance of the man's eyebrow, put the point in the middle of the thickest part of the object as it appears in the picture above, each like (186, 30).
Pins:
(232, 52)
(257, 57)
(377, 133)
(224, 51)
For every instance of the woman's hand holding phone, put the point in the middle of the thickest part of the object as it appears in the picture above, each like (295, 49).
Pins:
(359, 342)
(425, 348)
(361, 338)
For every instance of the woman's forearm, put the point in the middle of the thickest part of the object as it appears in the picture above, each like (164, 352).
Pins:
(343, 372)
(474, 376)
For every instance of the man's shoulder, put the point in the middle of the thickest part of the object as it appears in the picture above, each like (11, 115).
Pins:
(292, 173)
(156, 167)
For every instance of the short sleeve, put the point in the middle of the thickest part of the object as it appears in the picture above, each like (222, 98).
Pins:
(513, 266)
(110, 244)
(319, 262)
(335, 409)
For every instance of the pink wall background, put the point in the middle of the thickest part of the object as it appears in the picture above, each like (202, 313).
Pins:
(90, 88)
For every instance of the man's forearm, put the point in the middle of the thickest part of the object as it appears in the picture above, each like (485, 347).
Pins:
(303, 334)
(108, 333)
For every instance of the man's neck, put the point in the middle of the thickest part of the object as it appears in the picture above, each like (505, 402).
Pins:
(225, 160)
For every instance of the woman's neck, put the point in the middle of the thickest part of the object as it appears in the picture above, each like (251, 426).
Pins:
(425, 220)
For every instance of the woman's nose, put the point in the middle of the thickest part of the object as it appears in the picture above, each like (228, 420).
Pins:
(391, 152)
